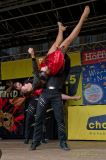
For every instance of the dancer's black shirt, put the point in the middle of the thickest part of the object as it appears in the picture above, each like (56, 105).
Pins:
(56, 81)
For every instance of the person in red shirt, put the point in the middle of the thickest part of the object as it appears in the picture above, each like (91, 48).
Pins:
(54, 60)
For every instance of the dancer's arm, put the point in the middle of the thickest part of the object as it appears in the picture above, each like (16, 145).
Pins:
(36, 79)
(34, 63)
(67, 97)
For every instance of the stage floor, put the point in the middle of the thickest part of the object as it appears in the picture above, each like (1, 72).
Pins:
(80, 150)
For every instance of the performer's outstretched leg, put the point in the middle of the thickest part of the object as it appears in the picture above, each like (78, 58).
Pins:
(55, 61)
(59, 38)
(76, 30)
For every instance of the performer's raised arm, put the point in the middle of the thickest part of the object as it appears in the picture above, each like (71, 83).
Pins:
(36, 79)
(34, 63)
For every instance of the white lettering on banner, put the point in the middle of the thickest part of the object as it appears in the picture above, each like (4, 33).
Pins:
(88, 57)
(95, 55)
(5, 94)
(99, 74)
(97, 125)
(2, 88)
(92, 72)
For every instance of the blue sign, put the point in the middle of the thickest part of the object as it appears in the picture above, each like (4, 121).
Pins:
(94, 83)
(97, 123)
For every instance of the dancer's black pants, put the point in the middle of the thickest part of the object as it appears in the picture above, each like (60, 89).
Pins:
(31, 110)
(52, 97)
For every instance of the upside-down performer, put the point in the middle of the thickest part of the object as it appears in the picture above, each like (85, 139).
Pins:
(54, 60)
(52, 91)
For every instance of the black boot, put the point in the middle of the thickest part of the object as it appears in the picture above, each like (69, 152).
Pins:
(26, 141)
(0, 153)
(64, 146)
(34, 145)
(44, 141)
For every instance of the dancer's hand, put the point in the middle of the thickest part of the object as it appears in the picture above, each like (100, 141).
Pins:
(77, 97)
(31, 52)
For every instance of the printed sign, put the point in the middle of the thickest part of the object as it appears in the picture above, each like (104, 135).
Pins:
(87, 123)
(94, 83)
(96, 56)
(72, 81)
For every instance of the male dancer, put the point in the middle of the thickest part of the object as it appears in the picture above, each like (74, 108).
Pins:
(27, 87)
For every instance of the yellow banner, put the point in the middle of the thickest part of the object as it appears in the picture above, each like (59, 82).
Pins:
(75, 58)
(78, 91)
(74, 81)
(17, 69)
(87, 122)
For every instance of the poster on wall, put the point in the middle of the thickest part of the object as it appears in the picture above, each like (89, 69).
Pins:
(94, 83)
(11, 119)
(87, 124)
(11, 111)
(72, 80)
(94, 56)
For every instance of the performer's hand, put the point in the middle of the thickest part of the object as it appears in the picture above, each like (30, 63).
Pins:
(31, 52)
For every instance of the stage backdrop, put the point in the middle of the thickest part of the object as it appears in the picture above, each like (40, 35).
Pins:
(74, 79)
(74, 85)
(94, 84)
(87, 123)
(17, 69)
(94, 77)
(11, 118)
